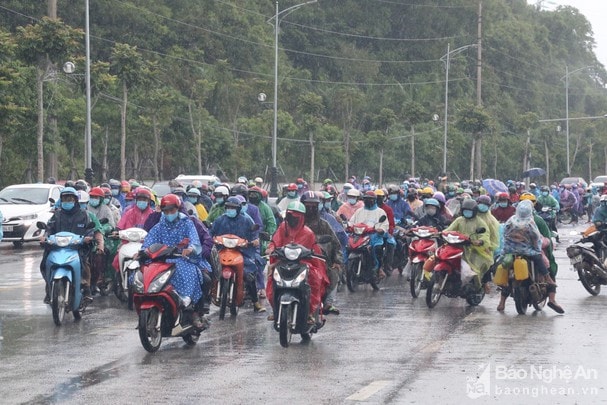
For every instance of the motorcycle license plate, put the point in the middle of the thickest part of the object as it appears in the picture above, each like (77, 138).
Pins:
(577, 259)
(7, 228)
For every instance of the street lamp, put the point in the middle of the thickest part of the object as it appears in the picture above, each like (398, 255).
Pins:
(446, 58)
(566, 77)
(276, 18)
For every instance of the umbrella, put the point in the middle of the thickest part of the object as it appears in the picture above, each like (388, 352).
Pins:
(494, 186)
(534, 172)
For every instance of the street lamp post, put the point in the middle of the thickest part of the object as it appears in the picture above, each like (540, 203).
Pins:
(446, 58)
(566, 77)
(88, 151)
(276, 18)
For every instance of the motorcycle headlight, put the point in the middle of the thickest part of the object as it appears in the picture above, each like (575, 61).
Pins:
(159, 282)
(133, 236)
(230, 243)
(63, 241)
(277, 278)
(292, 254)
(138, 282)
(300, 278)
(358, 230)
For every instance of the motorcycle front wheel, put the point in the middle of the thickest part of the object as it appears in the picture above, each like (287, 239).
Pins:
(434, 291)
(284, 326)
(416, 279)
(565, 217)
(148, 334)
(121, 294)
(233, 303)
(585, 278)
(58, 303)
(520, 294)
(351, 275)
(223, 300)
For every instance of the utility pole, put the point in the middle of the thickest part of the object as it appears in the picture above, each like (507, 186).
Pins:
(479, 100)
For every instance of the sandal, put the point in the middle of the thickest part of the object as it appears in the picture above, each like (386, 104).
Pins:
(556, 307)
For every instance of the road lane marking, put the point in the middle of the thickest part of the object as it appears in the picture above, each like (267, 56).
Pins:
(364, 393)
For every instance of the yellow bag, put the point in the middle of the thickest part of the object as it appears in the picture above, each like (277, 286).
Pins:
(501, 276)
(521, 269)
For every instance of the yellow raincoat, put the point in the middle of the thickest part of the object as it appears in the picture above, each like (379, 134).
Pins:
(480, 258)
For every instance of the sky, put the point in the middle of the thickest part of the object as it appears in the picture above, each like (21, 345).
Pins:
(595, 11)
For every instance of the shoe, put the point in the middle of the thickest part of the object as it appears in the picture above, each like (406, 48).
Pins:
(257, 307)
(311, 320)
(95, 290)
(270, 317)
(487, 288)
(380, 274)
(47, 299)
(548, 280)
(330, 310)
(262, 293)
(199, 322)
(86, 294)
(556, 307)
(500, 307)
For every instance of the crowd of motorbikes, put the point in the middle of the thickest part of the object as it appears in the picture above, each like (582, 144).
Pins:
(142, 280)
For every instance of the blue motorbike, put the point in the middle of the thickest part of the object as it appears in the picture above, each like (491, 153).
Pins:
(64, 272)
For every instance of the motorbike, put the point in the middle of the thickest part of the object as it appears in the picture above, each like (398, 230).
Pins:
(101, 265)
(229, 289)
(422, 246)
(292, 294)
(447, 272)
(64, 272)
(403, 238)
(361, 260)
(566, 215)
(126, 264)
(161, 311)
(548, 215)
(523, 283)
(590, 262)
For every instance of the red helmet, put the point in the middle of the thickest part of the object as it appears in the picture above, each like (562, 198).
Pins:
(170, 201)
(106, 191)
(292, 187)
(143, 193)
(502, 196)
(369, 194)
(96, 192)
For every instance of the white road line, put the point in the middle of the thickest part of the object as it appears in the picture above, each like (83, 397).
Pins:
(364, 393)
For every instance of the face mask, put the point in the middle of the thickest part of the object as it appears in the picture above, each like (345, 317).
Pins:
(115, 192)
(292, 220)
(352, 201)
(67, 206)
(231, 212)
(393, 197)
(170, 217)
(106, 201)
(300, 186)
(431, 211)
(94, 202)
(142, 205)
(219, 200)
(327, 205)
(254, 199)
(369, 204)
(193, 200)
(411, 197)
(83, 206)
(502, 204)
(468, 213)
(483, 208)
(450, 194)
(292, 194)
(311, 210)
(244, 208)
(545, 193)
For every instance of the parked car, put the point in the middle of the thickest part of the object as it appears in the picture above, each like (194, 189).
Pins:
(23, 205)
(599, 181)
(161, 188)
(573, 180)
(186, 180)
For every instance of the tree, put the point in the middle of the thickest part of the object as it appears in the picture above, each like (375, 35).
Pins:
(474, 119)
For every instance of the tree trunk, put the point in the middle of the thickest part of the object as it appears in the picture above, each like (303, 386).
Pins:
(123, 132)
(546, 151)
(52, 167)
(472, 158)
(52, 9)
(312, 156)
(104, 164)
(590, 162)
(198, 136)
(478, 157)
(136, 162)
(412, 151)
(40, 138)
(381, 167)
(156, 148)
(347, 153)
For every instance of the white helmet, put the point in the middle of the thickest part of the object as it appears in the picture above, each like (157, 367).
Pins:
(83, 196)
(603, 197)
(353, 193)
(223, 190)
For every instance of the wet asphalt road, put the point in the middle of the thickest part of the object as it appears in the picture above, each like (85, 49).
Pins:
(385, 347)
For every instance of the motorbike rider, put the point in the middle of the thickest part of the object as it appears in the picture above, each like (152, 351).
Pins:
(400, 207)
(69, 218)
(370, 215)
(294, 230)
(569, 201)
(390, 241)
(292, 195)
(332, 249)
(173, 229)
(193, 197)
(502, 209)
(352, 205)
(600, 214)
(232, 222)
(96, 206)
(478, 254)
(522, 237)
(221, 194)
(432, 215)
(483, 205)
(544, 199)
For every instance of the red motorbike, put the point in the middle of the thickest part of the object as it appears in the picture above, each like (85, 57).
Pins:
(361, 259)
(447, 272)
(229, 288)
(162, 312)
(422, 246)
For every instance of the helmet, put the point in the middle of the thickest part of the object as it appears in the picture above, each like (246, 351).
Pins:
(69, 191)
(427, 191)
(221, 190)
(369, 194)
(327, 181)
(502, 196)
(233, 202)
(170, 201)
(309, 197)
(240, 199)
(545, 188)
(197, 183)
(143, 193)
(258, 180)
(326, 196)
(469, 204)
(348, 186)
(125, 186)
(292, 187)
(393, 189)
(440, 197)
(114, 183)
(81, 185)
(484, 199)
(194, 191)
(97, 192)
(300, 180)
(107, 192)
(264, 193)
(432, 201)
(603, 197)
(296, 206)
(174, 184)
(179, 191)
(532, 185)
(239, 189)
(256, 189)
(83, 196)
(353, 193)
(528, 196)
(134, 183)
(242, 180)
(380, 192)
(129, 196)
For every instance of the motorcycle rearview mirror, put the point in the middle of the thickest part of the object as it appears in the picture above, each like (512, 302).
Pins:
(104, 221)
(382, 218)
(264, 236)
(481, 230)
(91, 225)
(40, 225)
(343, 217)
(52, 201)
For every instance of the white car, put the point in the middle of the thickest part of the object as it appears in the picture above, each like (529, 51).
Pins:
(23, 205)
(599, 181)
